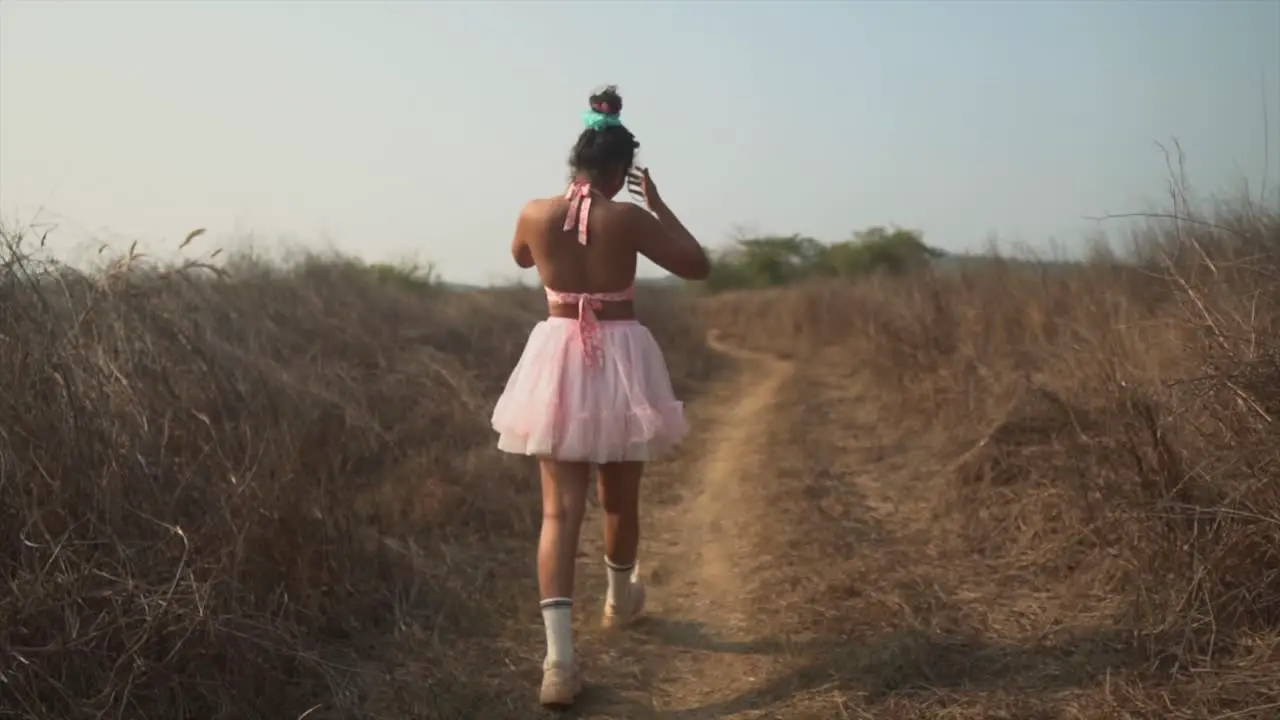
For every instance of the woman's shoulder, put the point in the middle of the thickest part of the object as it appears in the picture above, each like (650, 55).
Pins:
(537, 210)
(622, 210)
(538, 204)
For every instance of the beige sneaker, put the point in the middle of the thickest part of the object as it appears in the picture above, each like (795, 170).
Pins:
(618, 616)
(560, 686)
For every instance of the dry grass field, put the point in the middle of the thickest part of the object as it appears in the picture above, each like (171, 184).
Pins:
(1007, 491)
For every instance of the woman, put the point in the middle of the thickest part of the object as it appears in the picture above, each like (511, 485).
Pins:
(592, 388)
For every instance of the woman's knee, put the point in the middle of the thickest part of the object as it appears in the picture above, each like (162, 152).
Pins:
(619, 487)
(564, 492)
(563, 511)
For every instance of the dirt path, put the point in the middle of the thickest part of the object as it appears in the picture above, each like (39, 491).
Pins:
(705, 648)
(804, 560)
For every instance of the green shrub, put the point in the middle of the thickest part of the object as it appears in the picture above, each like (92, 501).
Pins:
(782, 260)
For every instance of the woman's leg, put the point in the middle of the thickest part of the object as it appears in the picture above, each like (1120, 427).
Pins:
(619, 491)
(564, 497)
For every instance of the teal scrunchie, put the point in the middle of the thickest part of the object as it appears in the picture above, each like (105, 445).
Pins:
(599, 121)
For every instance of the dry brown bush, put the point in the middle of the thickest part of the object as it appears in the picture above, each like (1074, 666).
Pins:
(1109, 430)
(267, 494)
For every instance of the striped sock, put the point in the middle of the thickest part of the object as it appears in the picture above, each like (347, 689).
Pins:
(557, 617)
(619, 582)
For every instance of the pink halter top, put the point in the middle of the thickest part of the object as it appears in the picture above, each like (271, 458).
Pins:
(579, 197)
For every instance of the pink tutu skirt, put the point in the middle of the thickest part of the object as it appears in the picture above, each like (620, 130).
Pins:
(558, 404)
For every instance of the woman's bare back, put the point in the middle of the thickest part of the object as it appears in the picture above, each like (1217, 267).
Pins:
(603, 258)
(605, 263)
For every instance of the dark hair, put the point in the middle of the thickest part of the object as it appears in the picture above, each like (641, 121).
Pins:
(608, 148)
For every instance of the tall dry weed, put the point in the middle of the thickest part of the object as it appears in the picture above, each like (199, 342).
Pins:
(1110, 427)
(261, 492)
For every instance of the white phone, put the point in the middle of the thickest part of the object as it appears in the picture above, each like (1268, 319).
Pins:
(635, 184)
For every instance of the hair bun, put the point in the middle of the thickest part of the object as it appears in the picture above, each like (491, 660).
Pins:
(607, 101)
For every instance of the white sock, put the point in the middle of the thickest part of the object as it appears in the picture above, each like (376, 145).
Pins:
(619, 582)
(557, 617)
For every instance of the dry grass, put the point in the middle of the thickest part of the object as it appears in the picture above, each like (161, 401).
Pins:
(1014, 491)
(1081, 476)
(271, 494)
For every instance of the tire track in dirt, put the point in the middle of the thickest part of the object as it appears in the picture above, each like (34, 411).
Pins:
(700, 648)
(802, 564)
(719, 531)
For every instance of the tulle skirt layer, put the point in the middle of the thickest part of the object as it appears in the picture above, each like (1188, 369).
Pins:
(558, 405)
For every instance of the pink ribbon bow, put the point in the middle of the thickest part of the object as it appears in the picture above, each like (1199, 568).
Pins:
(589, 330)
(579, 197)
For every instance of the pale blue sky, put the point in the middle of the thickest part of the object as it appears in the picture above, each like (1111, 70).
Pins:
(417, 129)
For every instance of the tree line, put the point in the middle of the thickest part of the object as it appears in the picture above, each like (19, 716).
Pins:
(757, 262)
